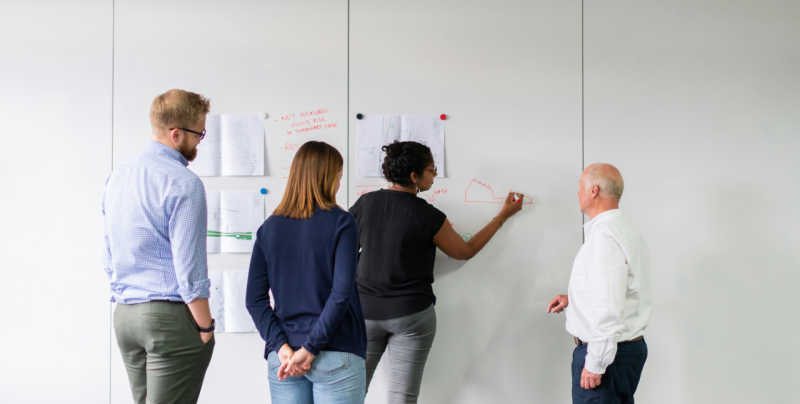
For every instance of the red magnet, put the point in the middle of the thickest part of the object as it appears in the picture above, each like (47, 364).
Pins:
(443, 116)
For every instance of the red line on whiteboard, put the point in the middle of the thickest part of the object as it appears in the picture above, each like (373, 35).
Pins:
(480, 192)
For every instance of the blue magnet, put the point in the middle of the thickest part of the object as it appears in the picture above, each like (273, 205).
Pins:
(263, 191)
(359, 116)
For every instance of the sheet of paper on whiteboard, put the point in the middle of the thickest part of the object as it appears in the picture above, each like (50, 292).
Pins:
(429, 131)
(375, 131)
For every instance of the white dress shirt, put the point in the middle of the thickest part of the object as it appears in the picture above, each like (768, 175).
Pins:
(609, 294)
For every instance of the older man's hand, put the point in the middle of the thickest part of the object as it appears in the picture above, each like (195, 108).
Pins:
(590, 380)
(559, 303)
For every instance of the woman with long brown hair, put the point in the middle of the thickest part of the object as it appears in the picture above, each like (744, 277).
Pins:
(306, 254)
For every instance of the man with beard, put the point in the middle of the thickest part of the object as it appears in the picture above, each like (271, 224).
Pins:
(155, 257)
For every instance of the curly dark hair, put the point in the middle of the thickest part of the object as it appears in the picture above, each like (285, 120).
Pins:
(404, 158)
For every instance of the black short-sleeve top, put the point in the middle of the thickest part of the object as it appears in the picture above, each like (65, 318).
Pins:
(395, 267)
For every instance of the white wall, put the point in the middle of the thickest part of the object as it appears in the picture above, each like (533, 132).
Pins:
(55, 110)
(694, 101)
(697, 102)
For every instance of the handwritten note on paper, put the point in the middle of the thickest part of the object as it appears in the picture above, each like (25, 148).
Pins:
(372, 133)
(429, 131)
(242, 145)
(207, 162)
(233, 146)
(234, 217)
(375, 131)
(241, 214)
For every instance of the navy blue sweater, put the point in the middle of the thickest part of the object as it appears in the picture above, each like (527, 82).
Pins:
(310, 265)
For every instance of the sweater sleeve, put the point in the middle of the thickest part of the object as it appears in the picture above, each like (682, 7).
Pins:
(257, 301)
(343, 288)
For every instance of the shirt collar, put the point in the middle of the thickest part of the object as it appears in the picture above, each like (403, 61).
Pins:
(163, 150)
(600, 218)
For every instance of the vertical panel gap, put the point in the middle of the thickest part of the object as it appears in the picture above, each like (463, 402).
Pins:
(113, 68)
(581, 134)
(347, 143)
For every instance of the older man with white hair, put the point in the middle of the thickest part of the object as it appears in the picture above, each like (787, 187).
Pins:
(608, 301)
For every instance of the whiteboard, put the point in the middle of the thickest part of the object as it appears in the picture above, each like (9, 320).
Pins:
(506, 77)
(702, 121)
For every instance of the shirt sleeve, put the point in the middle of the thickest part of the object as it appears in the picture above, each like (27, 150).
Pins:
(343, 288)
(187, 238)
(436, 219)
(257, 300)
(355, 210)
(608, 277)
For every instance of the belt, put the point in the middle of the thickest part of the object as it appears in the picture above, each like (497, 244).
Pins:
(579, 342)
(166, 301)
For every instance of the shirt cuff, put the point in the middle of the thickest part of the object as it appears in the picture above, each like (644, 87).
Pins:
(195, 290)
(599, 355)
(594, 366)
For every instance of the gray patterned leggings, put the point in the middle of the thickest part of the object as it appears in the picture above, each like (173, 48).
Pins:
(407, 340)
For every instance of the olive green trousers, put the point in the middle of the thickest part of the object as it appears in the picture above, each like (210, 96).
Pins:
(165, 358)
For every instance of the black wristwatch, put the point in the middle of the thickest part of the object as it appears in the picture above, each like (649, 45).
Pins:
(209, 329)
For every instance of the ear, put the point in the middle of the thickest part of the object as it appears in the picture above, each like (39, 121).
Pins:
(414, 178)
(174, 136)
(595, 190)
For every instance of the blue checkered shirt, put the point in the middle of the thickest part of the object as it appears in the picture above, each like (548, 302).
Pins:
(155, 230)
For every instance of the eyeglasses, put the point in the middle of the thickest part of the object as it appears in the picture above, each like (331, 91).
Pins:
(433, 170)
(200, 135)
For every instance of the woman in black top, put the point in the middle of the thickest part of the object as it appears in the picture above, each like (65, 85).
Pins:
(398, 234)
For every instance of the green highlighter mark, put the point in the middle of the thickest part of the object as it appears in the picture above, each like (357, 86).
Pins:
(236, 235)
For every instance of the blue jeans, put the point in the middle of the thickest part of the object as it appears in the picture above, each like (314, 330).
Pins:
(620, 380)
(334, 378)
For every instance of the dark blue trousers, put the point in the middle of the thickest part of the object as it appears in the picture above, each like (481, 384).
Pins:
(621, 377)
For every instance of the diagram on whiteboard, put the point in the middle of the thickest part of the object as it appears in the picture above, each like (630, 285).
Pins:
(481, 192)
